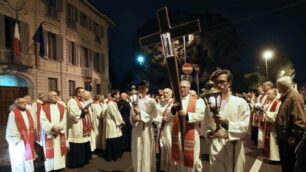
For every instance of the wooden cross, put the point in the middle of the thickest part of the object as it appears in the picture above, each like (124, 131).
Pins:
(165, 35)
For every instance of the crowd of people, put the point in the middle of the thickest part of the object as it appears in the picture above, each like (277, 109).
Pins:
(160, 133)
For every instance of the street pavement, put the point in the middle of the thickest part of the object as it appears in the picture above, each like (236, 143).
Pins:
(254, 162)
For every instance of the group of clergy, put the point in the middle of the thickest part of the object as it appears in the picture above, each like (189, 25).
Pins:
(278, 123)
(148, 128)
(76, 129)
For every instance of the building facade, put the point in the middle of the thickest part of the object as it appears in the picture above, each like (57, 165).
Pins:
(76, 49)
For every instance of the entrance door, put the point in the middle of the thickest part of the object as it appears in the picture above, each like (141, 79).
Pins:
(7, 97)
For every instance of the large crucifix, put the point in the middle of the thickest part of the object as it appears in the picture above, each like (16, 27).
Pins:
(165, 35)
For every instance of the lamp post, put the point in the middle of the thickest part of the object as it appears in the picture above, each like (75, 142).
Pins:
(268, 54)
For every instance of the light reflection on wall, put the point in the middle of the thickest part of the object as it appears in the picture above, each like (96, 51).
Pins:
(12, 81)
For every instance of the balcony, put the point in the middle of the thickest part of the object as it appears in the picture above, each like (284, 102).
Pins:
(87, 72)
(22, 63)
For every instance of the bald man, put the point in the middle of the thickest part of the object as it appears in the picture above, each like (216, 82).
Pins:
(20, 135)
(53, 124)
(164, 136)
(125, 107)
(193, 113)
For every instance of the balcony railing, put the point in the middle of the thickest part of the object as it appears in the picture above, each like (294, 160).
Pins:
(87, 72)
(21, 63)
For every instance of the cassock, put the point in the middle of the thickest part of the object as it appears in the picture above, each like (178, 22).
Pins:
(143, 148)
(54, 144)
(103, 125)
(271, 147)
(125, 108)
(226, 154)
(113, 135)
(20, 136)
(189, 159)
(79, 131)
(164, 108)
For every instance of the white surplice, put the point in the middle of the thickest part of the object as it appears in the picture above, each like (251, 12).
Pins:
(222, 155)
(97, 110)
(195, 118)
(261, 130)
(113, 121)
(270, 117)
(164, 108)
(143, 147)
(58, 162)
(74, 123)
(16, 145)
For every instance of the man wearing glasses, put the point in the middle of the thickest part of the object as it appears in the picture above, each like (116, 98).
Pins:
(227, 153)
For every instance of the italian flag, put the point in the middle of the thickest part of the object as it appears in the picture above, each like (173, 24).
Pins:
(16, 41)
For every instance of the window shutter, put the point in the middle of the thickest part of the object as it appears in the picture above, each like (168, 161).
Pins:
(60, 5)
(59, 48)
(75, 13)
(90, 58)
(82, 56)
(2, 40)
(102, 63)
(24, 36)
(77, 54)
(69, 53)
(45, 34)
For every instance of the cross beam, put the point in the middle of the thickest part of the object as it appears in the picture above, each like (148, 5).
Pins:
(164, 26)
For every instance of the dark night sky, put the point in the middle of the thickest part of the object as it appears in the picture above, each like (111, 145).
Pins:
(276, 24)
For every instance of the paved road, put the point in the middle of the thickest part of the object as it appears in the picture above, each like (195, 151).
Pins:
(254, 162)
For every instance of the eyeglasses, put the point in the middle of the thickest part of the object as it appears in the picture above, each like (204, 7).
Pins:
(220, 82)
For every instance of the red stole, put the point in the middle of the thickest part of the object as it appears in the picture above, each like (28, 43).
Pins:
(268, 129)
(38, 109)
(27, 135)
(49, 143)
(87, 126)
(189, 137)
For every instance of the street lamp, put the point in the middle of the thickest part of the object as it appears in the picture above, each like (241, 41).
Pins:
(140, 59)
(268, 54)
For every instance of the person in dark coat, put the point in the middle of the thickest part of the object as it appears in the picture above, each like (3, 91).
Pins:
(124, 108)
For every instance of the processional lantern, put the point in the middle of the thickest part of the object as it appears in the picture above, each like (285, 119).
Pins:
(134, 95)
(214, 96)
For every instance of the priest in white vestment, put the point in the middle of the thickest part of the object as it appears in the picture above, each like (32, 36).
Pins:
(53, 123)
(271, 147)
(143, 114)
(35, 112)
(79, 128)
(164, 135)
(20, 136)
(227, 153)
(113, 133)
(88, 101)
(96, 108)
(264, 100)
(187, 159)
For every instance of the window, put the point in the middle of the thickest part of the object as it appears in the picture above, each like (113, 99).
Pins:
(83, 20)
(72, 16)
(71, 87)
(9, 24)
(86, 57)
(97, 62)
(96, 30)
(51, 8)
(72, 53)
(98, 89)
(52, 83)
(51, 48)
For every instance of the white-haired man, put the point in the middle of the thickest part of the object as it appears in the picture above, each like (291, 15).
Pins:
(164, 136)
(53, 124)
(290, 122)
(20, 137)
(193, 111)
